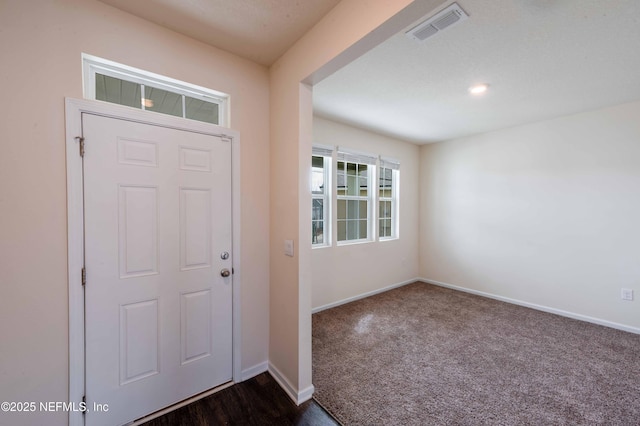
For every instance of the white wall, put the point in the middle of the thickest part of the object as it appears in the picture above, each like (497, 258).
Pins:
(347, 271)
(40, 47)
(545, 213)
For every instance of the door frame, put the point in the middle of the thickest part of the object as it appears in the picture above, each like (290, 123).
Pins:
(74, 108)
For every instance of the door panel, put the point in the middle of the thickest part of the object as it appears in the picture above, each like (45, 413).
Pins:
(138, 341)
(195, 228)
(138, 230)
(158, 311)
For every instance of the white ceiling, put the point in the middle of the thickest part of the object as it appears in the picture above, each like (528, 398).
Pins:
(542, 58)
(259, 30)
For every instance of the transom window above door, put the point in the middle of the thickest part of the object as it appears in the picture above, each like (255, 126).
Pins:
(120, 84)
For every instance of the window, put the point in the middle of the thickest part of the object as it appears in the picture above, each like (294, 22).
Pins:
(120, 84)
(355, 196)
(387, 199)
(320, 196)
(354, 193)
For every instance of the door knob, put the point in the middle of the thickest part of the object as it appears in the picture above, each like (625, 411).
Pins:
(225, 272)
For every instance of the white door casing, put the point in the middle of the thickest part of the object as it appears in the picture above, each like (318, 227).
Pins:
(158, 216)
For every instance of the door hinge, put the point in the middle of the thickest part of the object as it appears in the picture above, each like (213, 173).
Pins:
(84, 276)
(80, 140)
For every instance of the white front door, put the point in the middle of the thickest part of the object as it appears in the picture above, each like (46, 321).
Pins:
(157, 244)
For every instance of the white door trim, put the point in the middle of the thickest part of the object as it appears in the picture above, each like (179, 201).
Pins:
(74, 108)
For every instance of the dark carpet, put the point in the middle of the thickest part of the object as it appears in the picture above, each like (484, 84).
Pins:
(426, 355)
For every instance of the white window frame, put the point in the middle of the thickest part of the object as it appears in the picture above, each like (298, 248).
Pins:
(327, 154)
(360, 159)
(93, 64)
(394, 166)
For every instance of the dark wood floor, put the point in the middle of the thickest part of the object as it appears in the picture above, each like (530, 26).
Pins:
(257, 401)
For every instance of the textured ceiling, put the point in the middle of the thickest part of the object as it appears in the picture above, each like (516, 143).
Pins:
(542, 58)
(259, 30)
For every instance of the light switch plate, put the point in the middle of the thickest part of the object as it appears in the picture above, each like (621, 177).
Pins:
(288, 247)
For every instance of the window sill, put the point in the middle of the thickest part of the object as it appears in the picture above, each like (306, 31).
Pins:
(353, 242)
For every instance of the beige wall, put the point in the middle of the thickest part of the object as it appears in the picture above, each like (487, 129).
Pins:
(343, 272)
(40, 47)
(346, 32)
(545, 213)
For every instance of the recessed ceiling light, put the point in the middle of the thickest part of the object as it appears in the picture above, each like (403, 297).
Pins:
(148, 103)
(478, 89)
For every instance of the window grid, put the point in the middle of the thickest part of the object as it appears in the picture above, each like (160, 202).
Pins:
(386, 203)
(148, 98)
(320, 200)
(353, 197)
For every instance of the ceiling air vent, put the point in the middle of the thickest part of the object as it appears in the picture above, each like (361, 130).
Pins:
(438, 22)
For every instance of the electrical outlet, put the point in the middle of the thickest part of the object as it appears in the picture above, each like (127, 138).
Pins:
(626, 294)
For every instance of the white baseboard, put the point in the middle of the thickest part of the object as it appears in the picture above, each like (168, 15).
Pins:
(298, 397)
(363, 295)
(250, 372)
(306, 394)
(560, 312)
